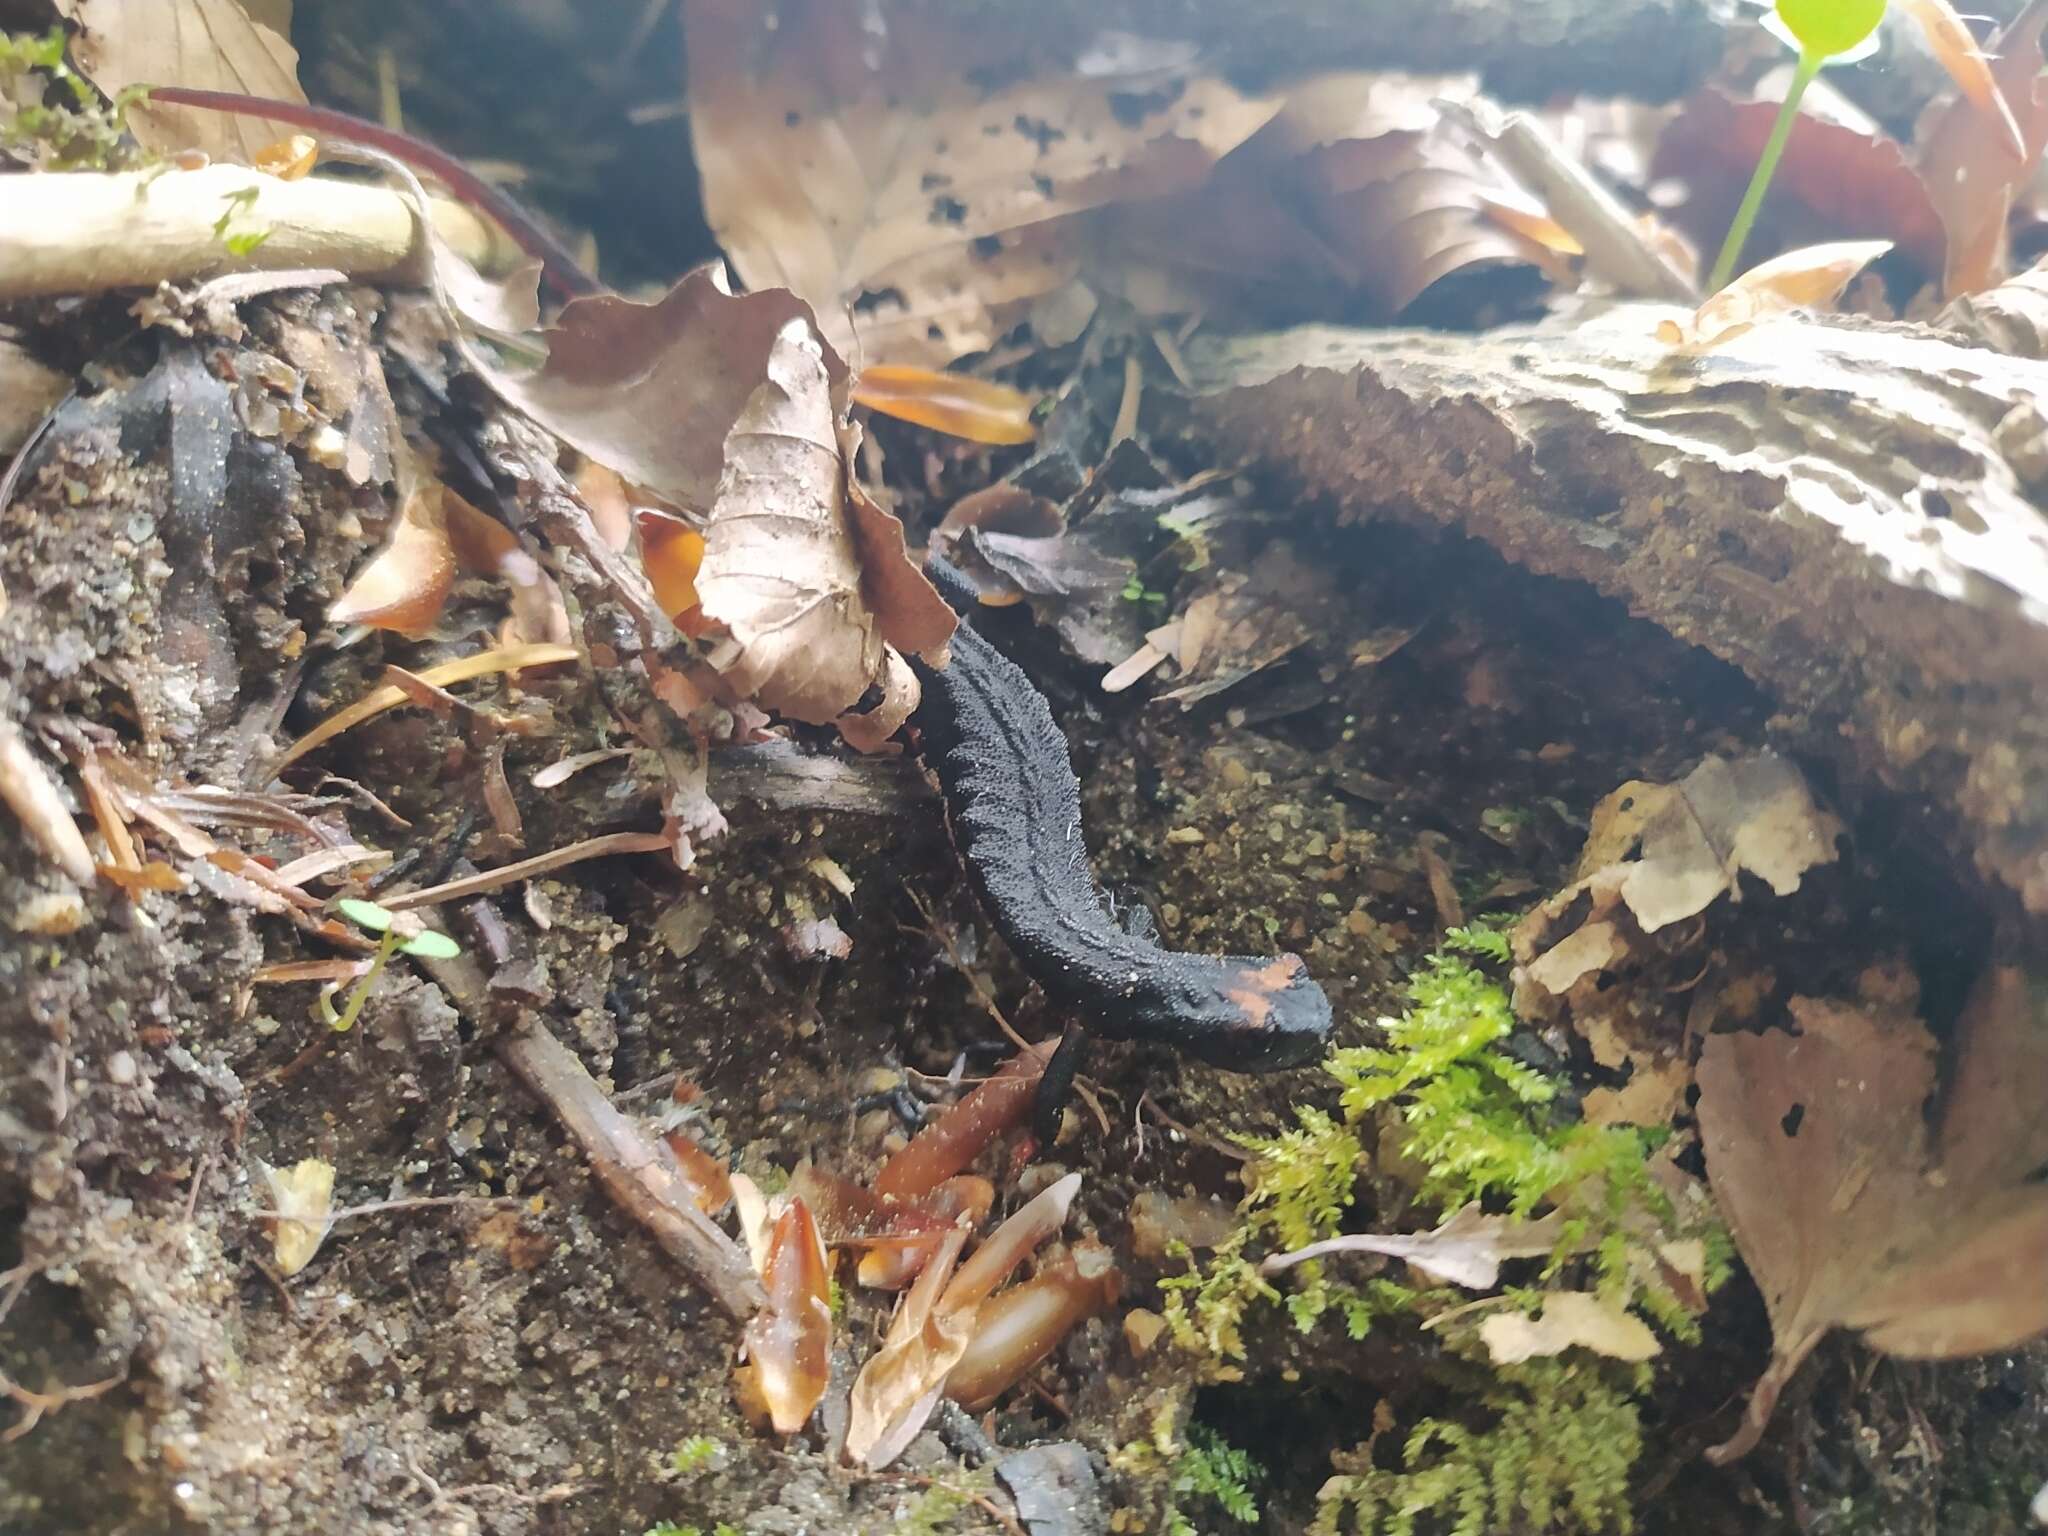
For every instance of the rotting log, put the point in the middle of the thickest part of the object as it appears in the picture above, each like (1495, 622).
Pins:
(1838, 507)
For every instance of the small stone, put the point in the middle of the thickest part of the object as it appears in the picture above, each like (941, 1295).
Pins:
(121, 1069)
(1185, 835)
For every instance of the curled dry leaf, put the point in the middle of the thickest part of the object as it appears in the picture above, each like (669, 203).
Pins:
(789, 1340)
(1810, 278)
(302, 1208)
(406, 583)
(1819, 1154)
(846, 152)
(1953, 43)
(954, 403)
(214, 45)
(1569, 1318)
(1466, 1250)
(780, 569)
(1969, 174)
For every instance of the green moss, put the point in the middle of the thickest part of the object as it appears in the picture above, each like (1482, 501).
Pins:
(694, 1454)
(1473, 1124)
(1211, 1468)
(1556, 1456)
(53, 114)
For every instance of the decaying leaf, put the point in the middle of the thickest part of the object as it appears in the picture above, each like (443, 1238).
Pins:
(407, 581)
(789, 1340)
(214, 45)
(780, 569)
(1569, 1318)
(1836, 180)
(1809, 278)
(936, 1320)
(1466, 1250)
(855, 160)
(1966, 165)
(1818, 1151)
(1753, 815)
(302, 1205)
(1952, 42)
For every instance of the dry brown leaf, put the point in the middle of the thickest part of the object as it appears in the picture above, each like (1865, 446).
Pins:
(651, 390)
(1836, 180)
(1754, 814)
(1467, 1250)
(1812, 277)
(302, 1201)
(1569, 1318)
(406, 583)
(924, 1343)
(870, 732)
(213, 45)
(1818, 1151)
(1953, 43)
(780, 569)
(845, 153)
(1970, 176)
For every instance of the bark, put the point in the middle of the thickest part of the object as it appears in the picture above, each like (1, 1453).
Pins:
(1841, 509)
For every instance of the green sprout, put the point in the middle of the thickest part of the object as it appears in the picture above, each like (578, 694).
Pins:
(427, 945)
(1823, 31)
(243, 242)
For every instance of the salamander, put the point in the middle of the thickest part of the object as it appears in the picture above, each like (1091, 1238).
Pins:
(1014, 809)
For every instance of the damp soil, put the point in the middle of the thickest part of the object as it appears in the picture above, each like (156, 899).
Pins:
(519, 1358)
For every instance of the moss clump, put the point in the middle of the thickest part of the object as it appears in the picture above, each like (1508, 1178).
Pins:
(52, 116)
(1557, 1456)
(1475, 1125)
(1212, 1468)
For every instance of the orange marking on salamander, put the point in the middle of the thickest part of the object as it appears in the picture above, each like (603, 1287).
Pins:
(1261, 987)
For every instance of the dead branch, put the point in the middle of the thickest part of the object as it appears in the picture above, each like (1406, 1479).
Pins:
(86, 232)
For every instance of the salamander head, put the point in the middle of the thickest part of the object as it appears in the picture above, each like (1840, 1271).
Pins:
(1265, 1015)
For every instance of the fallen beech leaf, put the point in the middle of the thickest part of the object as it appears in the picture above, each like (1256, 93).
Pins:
(909, 613)
(1569, 1318)
(1952, 42)
(954, 403)
(780, 569)
(1970, 178)
(1467, 1250)
(406, 583)
(302, 1205)
(789, 1340)
(846, 154)
(901, 1381)
(1811, 277)
(1818, 1152)
(214, 45)
(651, 390)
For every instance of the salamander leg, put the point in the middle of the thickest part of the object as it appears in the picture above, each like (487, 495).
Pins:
(1058, 1083)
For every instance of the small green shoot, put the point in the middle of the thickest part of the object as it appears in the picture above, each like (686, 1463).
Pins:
(242, 242)
(1823, 31)
(694, 1454)
(1135, 591)
(367, 915)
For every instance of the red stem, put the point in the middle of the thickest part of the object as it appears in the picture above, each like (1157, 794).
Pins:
(563, 272)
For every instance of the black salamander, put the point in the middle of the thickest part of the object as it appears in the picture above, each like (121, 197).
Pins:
(1014, 807)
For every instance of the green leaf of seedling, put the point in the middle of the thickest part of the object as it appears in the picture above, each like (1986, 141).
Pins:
(431, 946)
(245, 244)
(364, 914)
(1830, 28)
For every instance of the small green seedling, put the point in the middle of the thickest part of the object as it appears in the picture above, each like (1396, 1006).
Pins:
(427, 945)
(1824, 32)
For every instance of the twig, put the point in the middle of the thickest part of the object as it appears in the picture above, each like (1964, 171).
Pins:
(72, 233)
(638, 1174)
(982, 993)
(526, 869)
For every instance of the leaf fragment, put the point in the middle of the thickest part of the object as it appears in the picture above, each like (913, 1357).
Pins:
(1810, 278)
(1818, 1152)
(1570, 1319)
